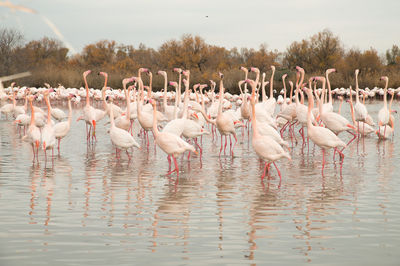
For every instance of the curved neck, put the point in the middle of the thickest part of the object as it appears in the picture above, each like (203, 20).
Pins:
(291, 92)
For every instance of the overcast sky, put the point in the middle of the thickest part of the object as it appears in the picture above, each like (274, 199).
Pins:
(359, 23)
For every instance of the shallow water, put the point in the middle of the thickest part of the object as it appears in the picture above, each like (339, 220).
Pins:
(89, 208)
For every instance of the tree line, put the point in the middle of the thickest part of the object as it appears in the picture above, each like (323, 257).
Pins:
(49, 62)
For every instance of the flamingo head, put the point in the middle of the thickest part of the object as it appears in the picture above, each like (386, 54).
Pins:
(357, 71)
(384, 78)
(186, 73)
(330, 70)
(87, 72)
(142, 69)
(162, 73)
(284, 76)
(173, 83)
(273, 68)
(127, 80)
(254, 69)
(195, 86)
(103, 74)
(300, 69)
(221, 76)
(177, 69)
(244, 69)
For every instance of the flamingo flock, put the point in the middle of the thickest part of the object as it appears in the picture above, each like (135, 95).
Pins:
(178, 122)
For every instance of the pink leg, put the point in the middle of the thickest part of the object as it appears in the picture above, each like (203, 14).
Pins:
(279, 173)
(234, 143)
(226, 141)
(220, 150)
(265, 169)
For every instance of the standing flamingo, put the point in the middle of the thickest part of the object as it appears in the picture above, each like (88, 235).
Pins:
(89, 113)
(225, 124)
(61, 129)
(321, 136)
(121, 138)
(48, 134)
(33, 134)
(384, 115)
(170, 143)
(265, 147)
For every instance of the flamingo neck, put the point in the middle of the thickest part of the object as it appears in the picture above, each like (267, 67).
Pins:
(329, 88)
(221, 97)
(310, 107)
(128, 104)
(271, 84)
(48, 110)
(32, 114)
(357, 96)
(264, 95)
(69, 111)
(155, 129)
(165, 93)
(112, 123)
(87, 91)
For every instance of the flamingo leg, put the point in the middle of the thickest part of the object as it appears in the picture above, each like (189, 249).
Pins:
(234, 135)
(220, 150)
(265, 169)
(279, 173)
(226, 141)
(323, 159)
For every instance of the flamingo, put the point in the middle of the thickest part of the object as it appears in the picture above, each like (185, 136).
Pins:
(170, 143)
(168, 110)
(89, 113)
(124, 121)
(264, 146)
(33, 134)
(121, 138)
(61, 129)
(364, 129)
(321, 136)
(384, 114)
(48, 133)
(360, 111)
(328, 107)
(224, 122)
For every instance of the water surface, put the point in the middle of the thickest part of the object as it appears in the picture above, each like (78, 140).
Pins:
(89, 208)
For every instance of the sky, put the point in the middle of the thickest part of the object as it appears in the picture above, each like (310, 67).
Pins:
(359, 24)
